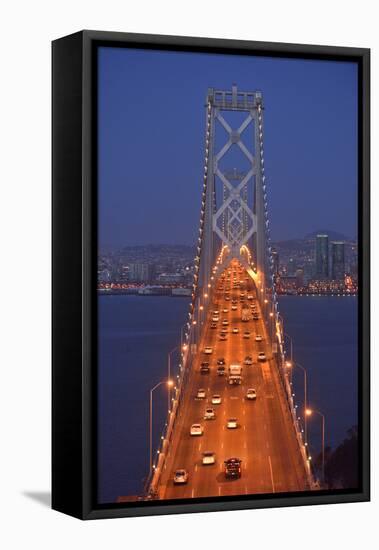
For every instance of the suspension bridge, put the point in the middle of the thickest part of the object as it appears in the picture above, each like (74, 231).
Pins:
(233, 319)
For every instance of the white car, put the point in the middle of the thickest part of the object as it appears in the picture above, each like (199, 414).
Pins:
(196, 429)
(216, 399)
(235, 330)
(208, 350)
(225, 310)
(246, 334)
(261, 356)
(209, 457)
(248, 360)
(234, 308)
(216, 312)
(215, 318)
(258, 338)
(251, 394)
(201, 393)
(232, 424)
(225, 322)
(209, 414)
(180, 477)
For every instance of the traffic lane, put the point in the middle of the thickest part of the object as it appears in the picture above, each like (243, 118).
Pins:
(286, 463)
(232, 347)
(202, 481)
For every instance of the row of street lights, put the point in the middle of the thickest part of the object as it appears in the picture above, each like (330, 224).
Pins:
(307, 411)
(170, 384)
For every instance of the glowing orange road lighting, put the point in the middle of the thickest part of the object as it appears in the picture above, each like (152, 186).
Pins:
(209, 285)
(170, 383)
(194, 322)
(308, 412)
(266, 301)
(288, 364)
(184, 347)
(201, 308)
(272, 315)
(205, 295)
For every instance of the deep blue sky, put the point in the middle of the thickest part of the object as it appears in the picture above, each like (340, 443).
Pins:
(151, 142)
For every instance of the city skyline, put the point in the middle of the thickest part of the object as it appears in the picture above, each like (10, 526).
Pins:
(311, 171)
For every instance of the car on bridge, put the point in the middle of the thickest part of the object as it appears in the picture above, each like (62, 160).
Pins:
(180, 477)
(213, 325)
(261, 356)
(196, 429)
(208, 350)
(235, 330)
(225, 322)
(246, 334)
(216, 399)
(258, 338)
(205, 369)
(209, 457)
(235, 379)
(234, 308)
(232, 423)
(209, 414)
(248, 360)
(251, 394)
(221, 361)
(232, 468)
(222, 337)
(221, 370)
(201, 393)
(225, 310)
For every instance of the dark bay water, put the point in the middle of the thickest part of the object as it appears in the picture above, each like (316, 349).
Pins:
(324, 332)
(135, 335)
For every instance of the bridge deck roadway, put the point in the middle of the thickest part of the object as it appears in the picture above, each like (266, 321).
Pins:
(265, 439)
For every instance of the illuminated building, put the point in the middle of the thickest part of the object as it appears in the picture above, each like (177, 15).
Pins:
(338, 260)
(322, 256)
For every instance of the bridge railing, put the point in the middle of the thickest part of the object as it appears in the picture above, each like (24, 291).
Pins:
(280, 362)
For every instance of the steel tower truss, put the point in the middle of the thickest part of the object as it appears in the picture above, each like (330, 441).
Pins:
(240, 216)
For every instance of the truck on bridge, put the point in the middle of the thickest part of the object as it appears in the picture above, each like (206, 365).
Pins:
(235, 374)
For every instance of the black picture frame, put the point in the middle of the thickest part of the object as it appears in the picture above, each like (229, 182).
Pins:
(74, 315)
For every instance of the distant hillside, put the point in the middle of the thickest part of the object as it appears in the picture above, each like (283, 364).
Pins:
(333, 235)
(309, 239)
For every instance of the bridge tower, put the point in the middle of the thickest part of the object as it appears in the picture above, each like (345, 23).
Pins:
(234, 207)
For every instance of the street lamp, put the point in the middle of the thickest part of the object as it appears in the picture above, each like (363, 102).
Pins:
(293, 364)
(169, 375)
(169, 383)
(309, 412)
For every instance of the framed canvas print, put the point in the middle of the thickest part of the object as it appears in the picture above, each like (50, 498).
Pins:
(210, 274)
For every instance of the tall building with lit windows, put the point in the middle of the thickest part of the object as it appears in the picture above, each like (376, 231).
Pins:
(338, 260)
(322, 256)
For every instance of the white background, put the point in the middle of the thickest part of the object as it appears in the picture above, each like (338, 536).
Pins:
(26, 31)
